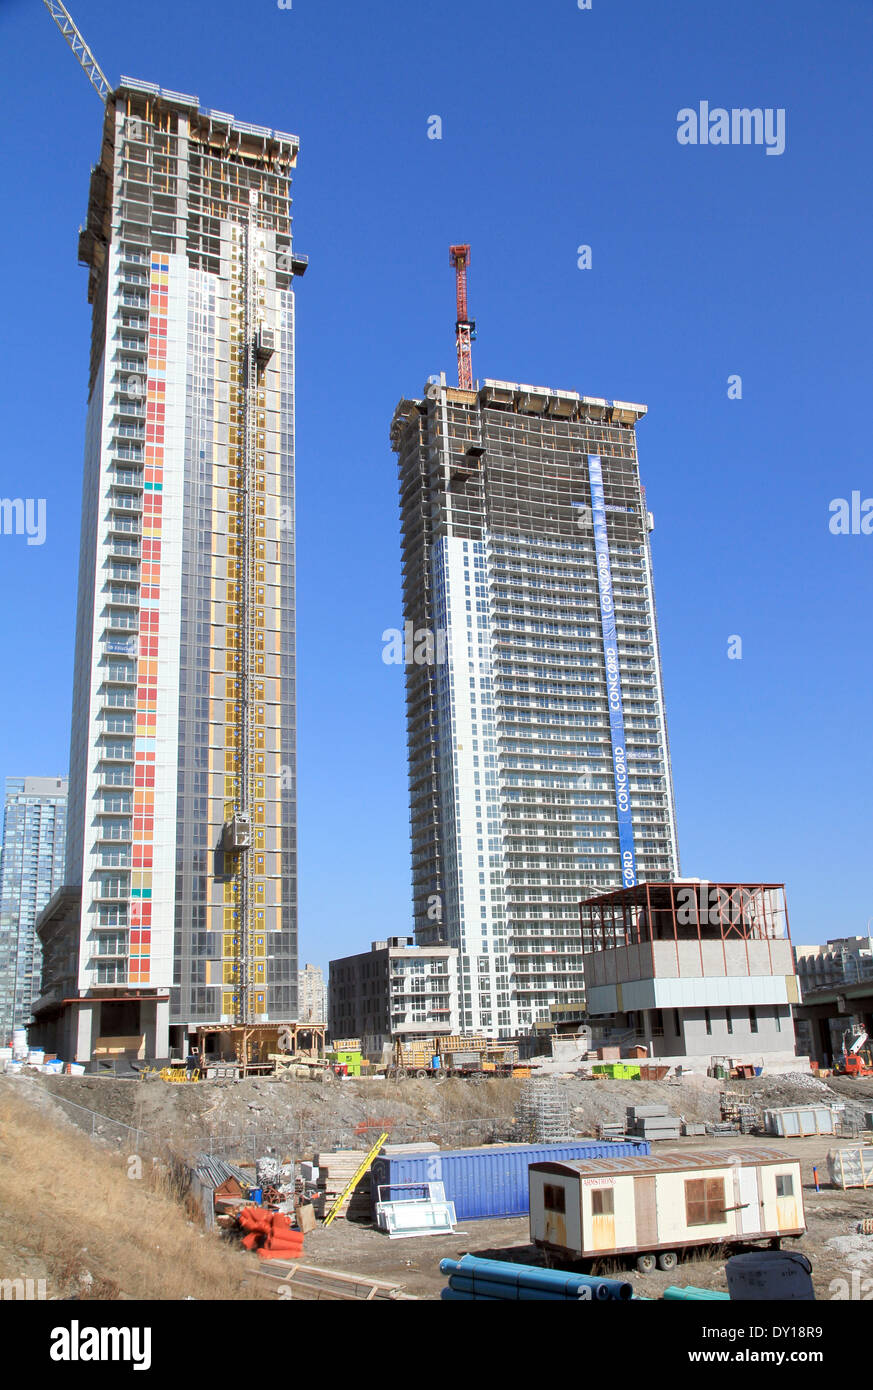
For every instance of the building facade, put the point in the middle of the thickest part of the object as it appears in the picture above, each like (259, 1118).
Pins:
(182, 820)
(843, 960)
(836, 983)
(312, 995)
(31, 870)
(394, 990)
(693, 970)
(538, 755)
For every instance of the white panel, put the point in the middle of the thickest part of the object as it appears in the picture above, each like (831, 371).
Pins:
(719, 991)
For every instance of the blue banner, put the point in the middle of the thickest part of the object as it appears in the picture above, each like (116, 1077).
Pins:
(613, 675)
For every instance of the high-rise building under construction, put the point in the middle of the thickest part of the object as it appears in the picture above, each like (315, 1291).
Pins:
(180, 903)
(538, 756)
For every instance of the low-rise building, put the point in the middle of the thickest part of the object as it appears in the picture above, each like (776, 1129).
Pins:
(394, 990)
(694, 970)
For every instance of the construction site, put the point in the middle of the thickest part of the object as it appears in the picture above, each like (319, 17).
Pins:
(341, 1188)
(566, 1090)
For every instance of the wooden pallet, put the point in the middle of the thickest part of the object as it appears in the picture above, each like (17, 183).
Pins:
(307, 1282)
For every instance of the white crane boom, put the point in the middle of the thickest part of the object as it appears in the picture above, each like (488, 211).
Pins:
(65, 22)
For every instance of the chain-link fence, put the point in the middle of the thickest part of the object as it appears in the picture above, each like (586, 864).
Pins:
(133, 1140)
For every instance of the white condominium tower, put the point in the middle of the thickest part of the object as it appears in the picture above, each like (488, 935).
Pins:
(180, 898)
(538, 757)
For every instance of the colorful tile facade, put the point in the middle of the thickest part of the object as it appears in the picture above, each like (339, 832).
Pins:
(149, 621)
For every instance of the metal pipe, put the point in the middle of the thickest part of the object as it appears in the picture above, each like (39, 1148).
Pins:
(690, 1294)
(506, 1293)
(454, 1295)
(532, 1276)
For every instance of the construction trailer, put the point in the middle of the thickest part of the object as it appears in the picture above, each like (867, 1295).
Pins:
(655, 1208)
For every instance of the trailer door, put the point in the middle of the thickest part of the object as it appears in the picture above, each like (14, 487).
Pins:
(747, 1199)
(645, 1212)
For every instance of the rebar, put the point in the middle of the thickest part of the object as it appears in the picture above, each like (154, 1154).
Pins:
(544, 1110)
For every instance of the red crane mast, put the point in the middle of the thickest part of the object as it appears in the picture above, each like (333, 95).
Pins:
(465, 328)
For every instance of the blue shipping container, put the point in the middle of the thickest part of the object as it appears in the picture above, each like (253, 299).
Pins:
(491, 1181)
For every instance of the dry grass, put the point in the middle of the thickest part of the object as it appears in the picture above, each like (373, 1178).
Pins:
(69, 1206)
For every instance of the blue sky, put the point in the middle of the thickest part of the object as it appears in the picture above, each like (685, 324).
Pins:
(559, 129)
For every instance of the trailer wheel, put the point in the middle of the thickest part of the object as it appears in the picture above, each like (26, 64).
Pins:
(667, 1260)
(646, 1263)
(421, 1074)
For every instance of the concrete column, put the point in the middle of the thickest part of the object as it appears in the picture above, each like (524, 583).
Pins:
(154, 1022)
(85, 1018)
(162, 1029)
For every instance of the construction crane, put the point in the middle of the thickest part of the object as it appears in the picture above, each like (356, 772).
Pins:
(465, 328)
(67, 25)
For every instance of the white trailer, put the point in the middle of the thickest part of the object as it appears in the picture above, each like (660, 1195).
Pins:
(654, 1208)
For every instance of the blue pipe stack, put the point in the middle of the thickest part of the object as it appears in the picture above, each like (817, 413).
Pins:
(498, 1281)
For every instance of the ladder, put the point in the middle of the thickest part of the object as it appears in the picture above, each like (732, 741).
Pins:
(347, 1191)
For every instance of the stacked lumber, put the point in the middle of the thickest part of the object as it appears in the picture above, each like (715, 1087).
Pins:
(335, 1172)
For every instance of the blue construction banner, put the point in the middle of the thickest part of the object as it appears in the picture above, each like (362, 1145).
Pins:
(613, 674)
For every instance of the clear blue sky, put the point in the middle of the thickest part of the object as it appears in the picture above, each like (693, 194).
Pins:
(559, 128)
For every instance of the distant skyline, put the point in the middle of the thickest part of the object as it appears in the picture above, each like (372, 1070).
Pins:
(727, 290)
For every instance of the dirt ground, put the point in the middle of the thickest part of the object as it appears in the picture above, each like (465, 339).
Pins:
(305, 1116)
(831, 1215)
(301, 1118)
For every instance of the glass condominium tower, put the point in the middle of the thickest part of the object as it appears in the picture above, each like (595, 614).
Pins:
(539, 766)
(180, 898)
(31, 869)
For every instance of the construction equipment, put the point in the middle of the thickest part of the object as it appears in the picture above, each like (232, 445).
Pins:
(453, 1056)
(347, 1191)
(67, 25)
(465, 328)
(854, 1062)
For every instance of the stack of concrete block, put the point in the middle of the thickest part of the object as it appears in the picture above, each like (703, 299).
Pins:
(652, 1122)
(691, 1127)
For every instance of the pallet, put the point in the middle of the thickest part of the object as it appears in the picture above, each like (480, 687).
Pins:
(307, 1282)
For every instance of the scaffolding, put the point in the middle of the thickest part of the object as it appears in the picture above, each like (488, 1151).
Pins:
(543, 1111)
